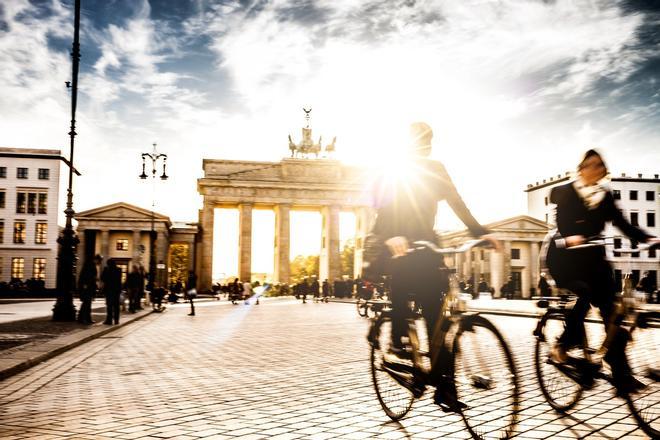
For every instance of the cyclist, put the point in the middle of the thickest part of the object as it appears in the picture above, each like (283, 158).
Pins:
(584, 206)
(406, 209)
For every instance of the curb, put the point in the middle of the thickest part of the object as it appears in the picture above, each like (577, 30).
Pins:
(61, 345)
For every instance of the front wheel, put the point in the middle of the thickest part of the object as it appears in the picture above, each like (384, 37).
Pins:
(361, 304)
(485, 378)
(644, 358)
(395, 398)
(560, 390)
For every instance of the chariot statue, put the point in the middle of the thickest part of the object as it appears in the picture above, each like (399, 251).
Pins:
(306, 147)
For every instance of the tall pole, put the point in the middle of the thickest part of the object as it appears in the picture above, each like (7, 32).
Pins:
(154, 156)
(66, 259)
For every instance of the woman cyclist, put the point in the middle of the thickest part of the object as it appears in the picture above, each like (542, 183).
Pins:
(584, 206)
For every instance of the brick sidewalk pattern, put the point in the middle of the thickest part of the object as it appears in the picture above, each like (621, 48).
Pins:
(279, 370)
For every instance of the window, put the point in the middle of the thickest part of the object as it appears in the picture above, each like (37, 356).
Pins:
(122, 244)
(515, 254)
(651, 253)
(546, 201)
(2, 231)
(633, 195)
(650, 219)
(19, 232)
(2, 199)
(650, 196)
(633, 245)
(634, 218)
(39, 268)
(21, 173)
(617, 194)
(3, 172)
(18, 268)
(44, 174)
(2, 263)
(546, 218)
(32, 203)
(21, 203)
(41, 233)
(617, 245)
(43, 203)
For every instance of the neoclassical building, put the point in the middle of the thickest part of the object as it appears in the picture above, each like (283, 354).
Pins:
(521, 237)
(121, 231)
(323, 185)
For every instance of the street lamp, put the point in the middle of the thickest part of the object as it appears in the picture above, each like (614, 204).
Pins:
(154, 156)
(66, 258)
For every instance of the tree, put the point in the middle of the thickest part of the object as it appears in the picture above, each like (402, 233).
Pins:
(348, 258)
(178, 262)
(304, 266)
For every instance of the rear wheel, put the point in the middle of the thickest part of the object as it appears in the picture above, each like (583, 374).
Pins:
(560, 390)
(644, 358)
(485, 379)
(395, 398)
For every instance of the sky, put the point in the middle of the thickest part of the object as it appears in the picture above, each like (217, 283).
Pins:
(515, 90)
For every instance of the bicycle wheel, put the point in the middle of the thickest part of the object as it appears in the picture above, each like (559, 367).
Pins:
(561, 392)
(485, 378)
(394, 397)
(361, 304)
(644, 358)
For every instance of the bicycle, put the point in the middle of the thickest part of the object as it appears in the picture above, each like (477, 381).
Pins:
(373, 305)
(478, 377)
(563, 384)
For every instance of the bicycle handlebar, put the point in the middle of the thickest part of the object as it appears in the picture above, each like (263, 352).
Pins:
(601, 241)
(419, 245)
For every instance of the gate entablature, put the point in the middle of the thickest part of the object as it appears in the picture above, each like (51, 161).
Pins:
(323, 184)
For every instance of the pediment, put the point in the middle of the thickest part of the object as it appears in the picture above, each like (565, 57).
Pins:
(519, 223)
(119, 211)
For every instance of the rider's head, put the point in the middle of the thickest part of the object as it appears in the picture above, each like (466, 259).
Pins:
(421, 136)
(592, 168)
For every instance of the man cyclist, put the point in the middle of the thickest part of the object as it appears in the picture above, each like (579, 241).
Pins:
(584, 206)
(406, 209)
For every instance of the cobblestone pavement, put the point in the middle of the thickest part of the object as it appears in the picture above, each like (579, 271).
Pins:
(279, 370)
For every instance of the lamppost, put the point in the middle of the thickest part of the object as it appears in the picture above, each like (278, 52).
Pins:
(154, 156)
(66, 258)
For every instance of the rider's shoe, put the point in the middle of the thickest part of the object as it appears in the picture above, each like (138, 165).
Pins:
(627, 385)
(558, 354)
(447, 401)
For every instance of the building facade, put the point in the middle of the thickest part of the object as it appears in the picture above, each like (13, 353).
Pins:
(521, 239)
(638, 197)
(121, 231)
(29, 189)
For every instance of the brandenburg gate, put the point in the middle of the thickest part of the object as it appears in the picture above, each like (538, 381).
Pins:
(323, 185)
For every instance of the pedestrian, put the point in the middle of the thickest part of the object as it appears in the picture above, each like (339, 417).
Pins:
(647, 285)
(316, 289)
(133, 281)
(325, 289)
(247, 291)
(141, 291)
(544, 287)
(87, 287)
(507, 289)
(482, 286)
(191, 287)
(111, 279)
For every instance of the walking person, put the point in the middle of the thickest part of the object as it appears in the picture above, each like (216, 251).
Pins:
(87, 286)
(191, 291)
(544, 287)
(111, 279)
(133, 281)
(508, 289)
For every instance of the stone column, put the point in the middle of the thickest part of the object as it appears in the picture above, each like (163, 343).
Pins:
(534, 264)
(330, 264)
(105, 246)
(282, 250)
(245, 241)
(361, 231)
(136, 247)
(496, 272)
(80, 251)
(526, 276)
(161, 258)
(467, 267)
(206, 245)
(507, 259)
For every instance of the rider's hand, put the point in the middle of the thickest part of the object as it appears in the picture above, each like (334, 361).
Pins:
(397, 245)
(494, 242)
(574, 240)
